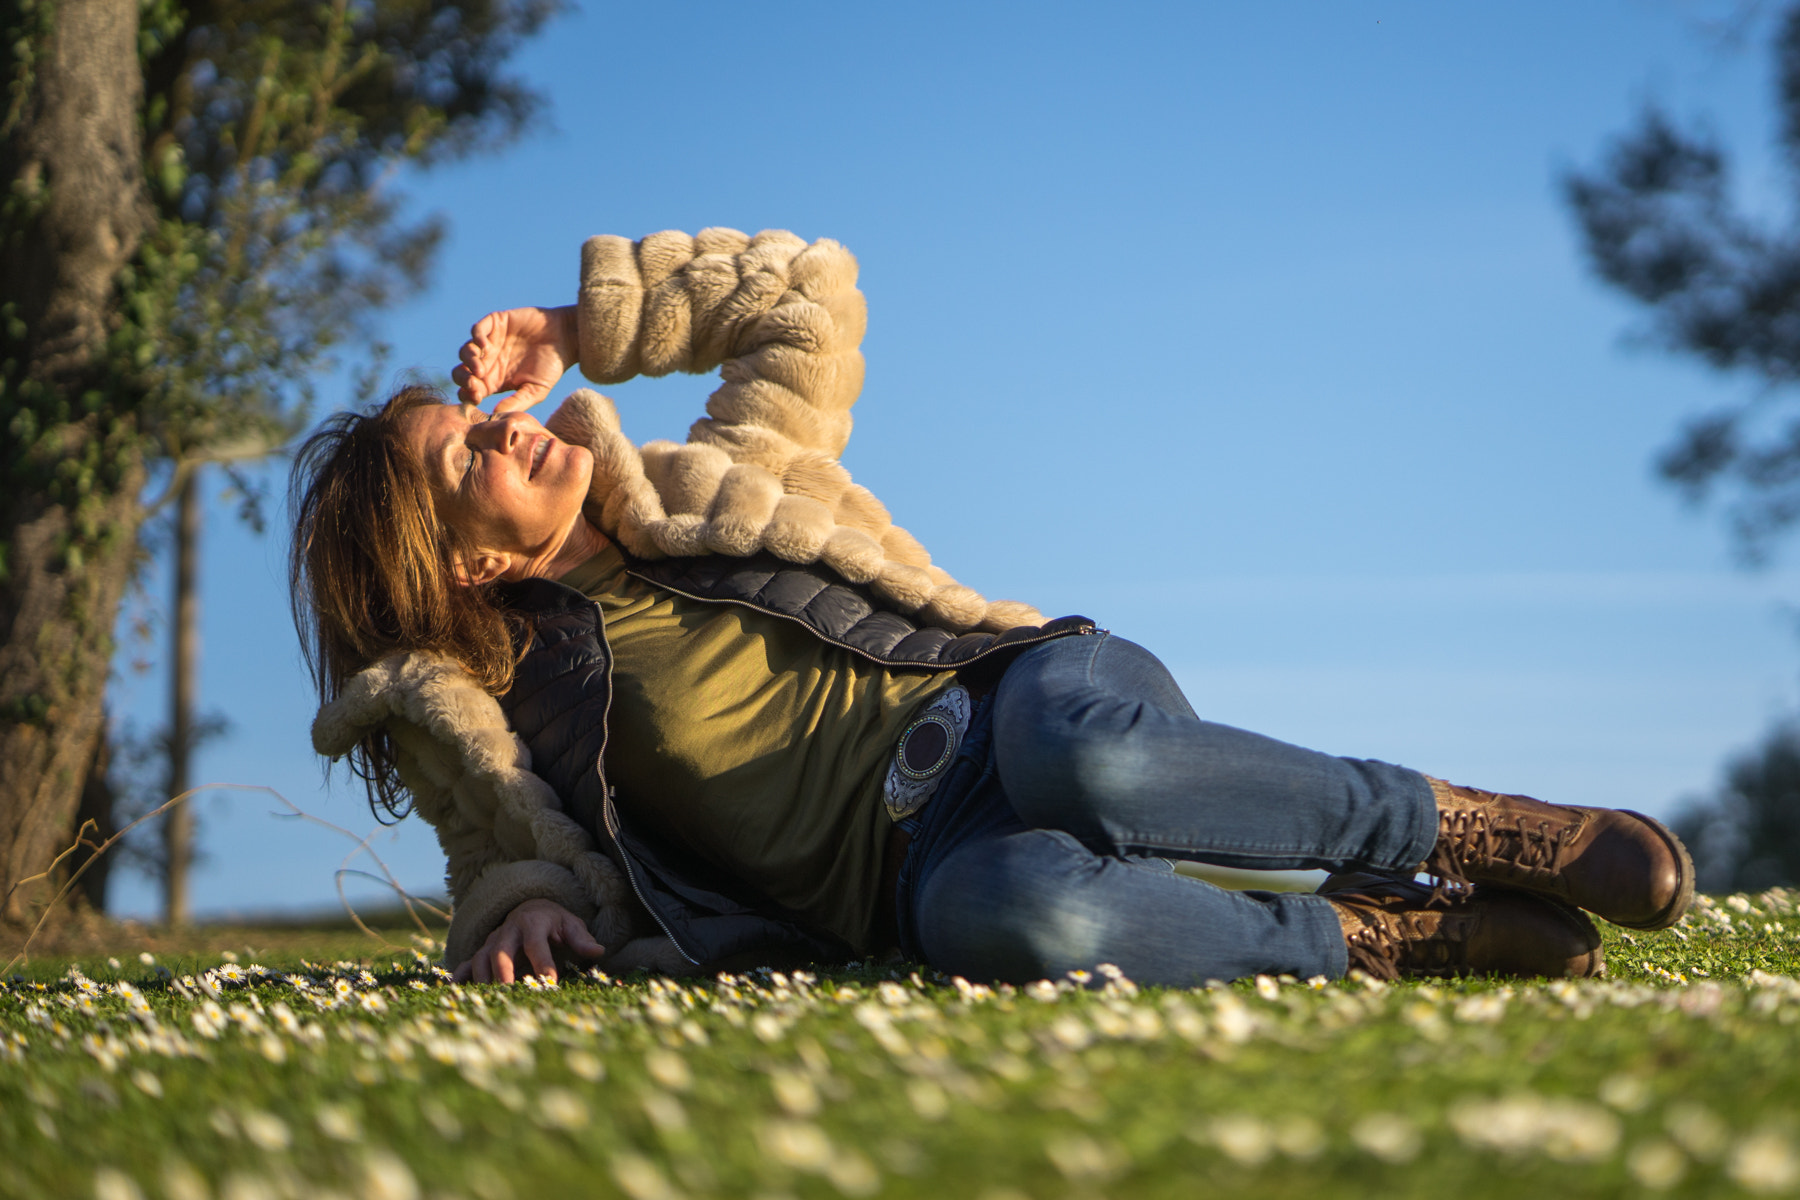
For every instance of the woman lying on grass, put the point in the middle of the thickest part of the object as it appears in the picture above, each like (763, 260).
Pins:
(754, 724)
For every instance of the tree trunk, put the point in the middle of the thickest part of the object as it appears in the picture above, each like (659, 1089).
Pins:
(53, 666)
(69, 509)
(184, 672)
(99, 804)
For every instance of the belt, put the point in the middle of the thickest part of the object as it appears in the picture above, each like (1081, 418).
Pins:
(922, 755)
(925, 751)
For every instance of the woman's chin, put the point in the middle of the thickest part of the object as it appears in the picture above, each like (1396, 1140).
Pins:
(565, 477)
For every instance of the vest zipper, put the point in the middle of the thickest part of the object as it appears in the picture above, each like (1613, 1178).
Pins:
(609, 815)
(612, 830)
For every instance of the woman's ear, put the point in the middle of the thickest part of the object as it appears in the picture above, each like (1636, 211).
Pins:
(484, 566)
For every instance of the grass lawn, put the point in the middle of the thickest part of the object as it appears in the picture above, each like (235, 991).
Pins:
(255, 1064)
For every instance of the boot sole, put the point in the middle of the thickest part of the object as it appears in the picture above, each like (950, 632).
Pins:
(1684, 890)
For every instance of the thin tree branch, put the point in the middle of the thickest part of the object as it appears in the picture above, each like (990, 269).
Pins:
(295, 811)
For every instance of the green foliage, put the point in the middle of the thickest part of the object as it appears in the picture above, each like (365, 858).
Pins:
(1675, 1075)
(27, 25)
(271, 131)
(271, 128)
(1660, 223)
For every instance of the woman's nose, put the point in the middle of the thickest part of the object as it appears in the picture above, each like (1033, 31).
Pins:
(499, 433)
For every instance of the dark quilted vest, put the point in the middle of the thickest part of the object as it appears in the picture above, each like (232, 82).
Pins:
(562, 688)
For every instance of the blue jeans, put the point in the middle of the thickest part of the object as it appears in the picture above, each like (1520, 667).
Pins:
(1047, 847)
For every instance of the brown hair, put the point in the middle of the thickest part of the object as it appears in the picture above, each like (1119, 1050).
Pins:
(372, 571)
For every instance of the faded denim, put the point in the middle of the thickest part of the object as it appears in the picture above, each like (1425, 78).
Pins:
(1048, 846)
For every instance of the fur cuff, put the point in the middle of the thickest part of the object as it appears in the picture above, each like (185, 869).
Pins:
(505, 887)
(502, 889)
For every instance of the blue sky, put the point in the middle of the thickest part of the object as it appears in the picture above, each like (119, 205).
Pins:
(1258, 333)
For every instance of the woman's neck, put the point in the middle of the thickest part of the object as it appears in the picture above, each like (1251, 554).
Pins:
(582, 541)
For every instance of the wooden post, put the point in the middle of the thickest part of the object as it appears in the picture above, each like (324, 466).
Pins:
(184, 671)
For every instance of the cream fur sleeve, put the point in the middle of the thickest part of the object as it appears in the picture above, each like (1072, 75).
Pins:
(504, 834)
(782, 319)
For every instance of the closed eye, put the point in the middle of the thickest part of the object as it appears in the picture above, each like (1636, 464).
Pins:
(475, 417)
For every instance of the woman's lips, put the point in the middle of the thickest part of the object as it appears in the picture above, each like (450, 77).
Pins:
(539, 452)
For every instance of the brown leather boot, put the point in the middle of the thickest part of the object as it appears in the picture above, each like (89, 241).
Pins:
(1617, 864)
(1396, 928)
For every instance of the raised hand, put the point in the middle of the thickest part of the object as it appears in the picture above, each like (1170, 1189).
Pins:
(522, 350)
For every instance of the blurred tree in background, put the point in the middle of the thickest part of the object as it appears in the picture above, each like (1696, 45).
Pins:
(1746, 836)
(1660, 223)
(195, 218)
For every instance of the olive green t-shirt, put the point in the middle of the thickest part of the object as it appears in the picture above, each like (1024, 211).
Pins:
(741, 735)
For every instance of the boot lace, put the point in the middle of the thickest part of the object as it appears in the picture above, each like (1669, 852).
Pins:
(1471, 838)
(1389, 943)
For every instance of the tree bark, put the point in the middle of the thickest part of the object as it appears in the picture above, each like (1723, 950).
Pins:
(77, 212)
(99, 804)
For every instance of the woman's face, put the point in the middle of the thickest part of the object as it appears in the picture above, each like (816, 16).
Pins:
(505, 483)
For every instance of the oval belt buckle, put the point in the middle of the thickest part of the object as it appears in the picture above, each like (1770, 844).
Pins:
(925, 751)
